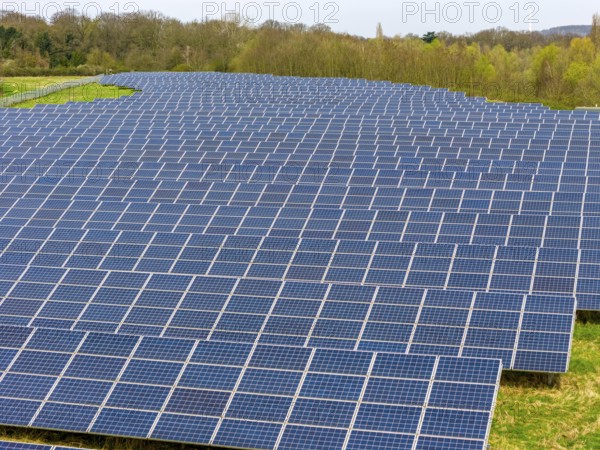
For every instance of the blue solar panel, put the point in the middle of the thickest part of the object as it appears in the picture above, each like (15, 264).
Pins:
(245, 249)
(241, 395)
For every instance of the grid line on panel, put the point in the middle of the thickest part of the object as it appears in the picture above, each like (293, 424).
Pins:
(220, 314)
(366, 320)
(58, 379)
(270, 313)
(317, 317)
(534, 271)
(177, 258)
(114, 384)
(433, 196)
(510, 224)
(409, 267)
(439, 229)
(182, 215)
(489, 210)
(110, 248)
(295, 398)
(360, 400)
(214, 259)
(370, 263)
(234, 392)
(417, 321)
(467, 325)
(133, 304)
(17, 355)
(494, 403)
(405, 227)
(177, 307)
(374, 195)
(577, 269)
(372, 224)
(327, 268)
(519, 329)
(46, 300)
(87, 305)
(252, 260)
(289, 265)
(490, 277)
(426, 403)
(544, 229)
(521, 202)
(452, 259)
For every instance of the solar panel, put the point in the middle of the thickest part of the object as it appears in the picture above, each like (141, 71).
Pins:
(530, 270)
(299, 313)
(140, 223)
(243, 395)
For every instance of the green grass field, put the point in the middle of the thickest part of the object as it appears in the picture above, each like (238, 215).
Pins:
(532, 415)
(86, 93)
(16, 85)
(529, 413)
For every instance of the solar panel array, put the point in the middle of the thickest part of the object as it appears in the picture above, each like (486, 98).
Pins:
(281, 263)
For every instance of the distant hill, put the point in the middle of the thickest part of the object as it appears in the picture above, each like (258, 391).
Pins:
(580, 30)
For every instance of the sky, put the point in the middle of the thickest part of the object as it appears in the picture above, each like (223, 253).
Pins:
(359, 17)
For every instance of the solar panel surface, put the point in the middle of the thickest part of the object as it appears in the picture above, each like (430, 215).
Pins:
(243, 395)
(317, 237)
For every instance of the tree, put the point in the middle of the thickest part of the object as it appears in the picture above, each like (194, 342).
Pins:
(429, 37)
(102, 59)
(546, 70)
(44, 43)
(8, 38)
(582, 50)
(595, 33)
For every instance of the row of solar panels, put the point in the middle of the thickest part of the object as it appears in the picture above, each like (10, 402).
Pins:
(342, 160)
(311, 179)
(543, 188)
(348, 152)
(570, 232)
(390, 199)
(473, 267)
(245, 131)
(360, 108)
(424, 134)
(229, 160)
(310, 116)
(342, 166)
(530, 333)
(244, 395)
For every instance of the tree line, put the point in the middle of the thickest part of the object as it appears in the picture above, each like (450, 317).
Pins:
(561, 71)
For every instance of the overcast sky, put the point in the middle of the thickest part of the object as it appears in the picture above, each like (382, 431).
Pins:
(352, 16)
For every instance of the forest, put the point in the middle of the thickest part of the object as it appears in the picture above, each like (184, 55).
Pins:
(561, 71)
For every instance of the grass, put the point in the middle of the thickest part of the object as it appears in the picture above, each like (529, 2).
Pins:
(529, 413)
(16, 85)
(87, 441)
(86, 93)
(532, 415)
